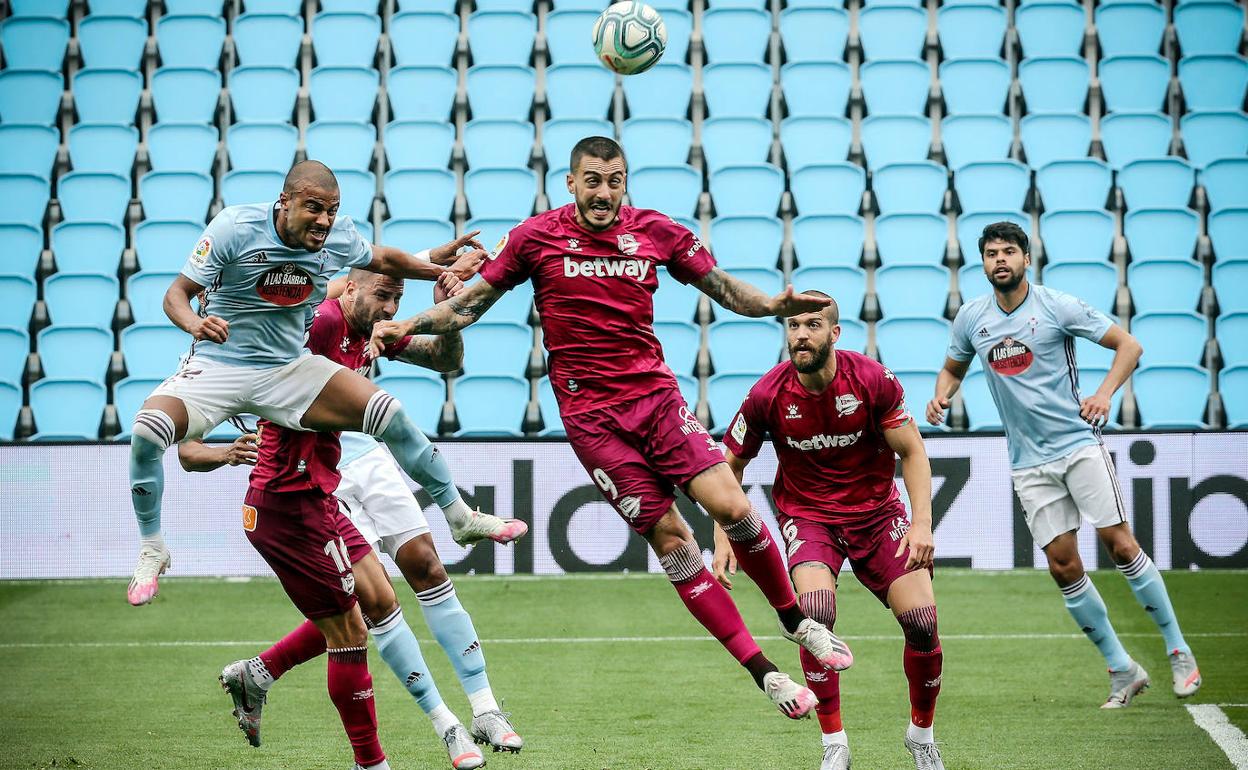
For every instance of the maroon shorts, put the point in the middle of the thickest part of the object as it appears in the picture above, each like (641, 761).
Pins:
(639, 451)
(869, 544)
(310, 544)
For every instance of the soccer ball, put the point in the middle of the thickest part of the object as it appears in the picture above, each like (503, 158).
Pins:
(629, 37)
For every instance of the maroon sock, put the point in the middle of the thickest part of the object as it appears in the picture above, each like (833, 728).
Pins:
(351, 690)
(922, 660)
(759, 556)
(707, 601)
(826, 685)
(299, 646)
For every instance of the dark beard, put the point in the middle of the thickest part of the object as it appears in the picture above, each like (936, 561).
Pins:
(589, 223)
(819, 357)
(1009, 285)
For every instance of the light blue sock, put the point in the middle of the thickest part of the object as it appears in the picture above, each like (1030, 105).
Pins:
(452, 627)
(401, 652)
(152, 434)
(1088, 609)
(411, 448)
(1150, 592)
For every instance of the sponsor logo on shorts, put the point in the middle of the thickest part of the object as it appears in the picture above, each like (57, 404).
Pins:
(476, 645)
(816, 676)
(899, 528)
(1010, 357)
(739, 428)
(690, 424)
(847, 404)
(628, 244)
(202, 249)
(605, 267)
(700, 589)
(824, 441)
(573, 386)
(348, 583)
(630, 506)
(250, 516)
(302, 467)
(362, 694)
(286, 284)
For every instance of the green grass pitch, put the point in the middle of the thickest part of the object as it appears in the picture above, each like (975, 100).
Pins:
(584, 667)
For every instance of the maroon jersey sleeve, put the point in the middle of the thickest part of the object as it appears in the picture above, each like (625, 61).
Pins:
(393, 350)
(888, 402)
(510, 263)
(690, 259)
(748, 429)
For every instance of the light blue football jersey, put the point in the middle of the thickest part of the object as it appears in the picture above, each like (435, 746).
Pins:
(1029, 360)
(261, 286)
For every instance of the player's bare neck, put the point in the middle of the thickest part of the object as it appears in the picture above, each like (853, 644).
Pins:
(1009, 301)
(818, 381)
(279, 224)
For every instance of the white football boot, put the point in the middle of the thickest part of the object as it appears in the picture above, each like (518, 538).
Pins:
(153, 561)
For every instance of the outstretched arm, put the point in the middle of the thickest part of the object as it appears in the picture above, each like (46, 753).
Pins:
(196, 456)
(740, 297)
(444, 353)
(397, 263)
(445, 317)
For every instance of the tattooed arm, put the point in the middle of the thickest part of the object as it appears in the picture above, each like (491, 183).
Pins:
(740, 297)
(444, 353)
(445, 317)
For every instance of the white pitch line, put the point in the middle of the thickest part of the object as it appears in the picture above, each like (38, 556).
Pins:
(595, 640)
(1230, 739)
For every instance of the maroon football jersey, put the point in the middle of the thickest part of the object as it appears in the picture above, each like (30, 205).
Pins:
(595, 295)
(834, 464)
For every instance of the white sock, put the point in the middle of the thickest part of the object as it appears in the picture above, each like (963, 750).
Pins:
(457, 512)
(442, 719)
(260, 673)
(836, 737)
(157, 541)
(920, 734)
(382, 765)
(482, 701)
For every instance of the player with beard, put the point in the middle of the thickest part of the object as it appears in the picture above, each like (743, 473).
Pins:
(838, 422)
(1024, 335)
(592, 264)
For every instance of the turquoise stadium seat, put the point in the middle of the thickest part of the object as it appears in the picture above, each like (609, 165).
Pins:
(747, 189)
(1092, 354)
(503, 37)
(81, 300)
(748, 241)
(1165, 285)
(289, 7)
(497, 347)
(1129, 136)
(663, 91)
(673, 300)
(23, 243)
(112, 41)
(101, 197)
(735, 141)
(261, 146)
(987, 185)
(358, 189)
(1130, 28)
(560, 136)
(735, 34)
(75, 352)
(895, 139)
(568, 39)
(1170, 338)
(975, 139)
(1055, 84)
(910, 187)
(263, 94)
(1208, 136)
(853, 336)
(971, 226)
(1094, 282)
(24, 198)
(681, 342)
(1171, 396)
(679, 24)
(1161, 233)
(30, 96)
(1209, 27)
(106, 95)
(19, 300)
(344, 93)
(1228, 230)
(972, 282)
(813, 34)
(128, 397)
(420, 193)
(422, 398)
(10, 406)
(14, 349)
(417, 144)
(413, 235)
(1233, 385)
(190, 40)
(769, 282)
(54, 422)
(180, 195)
(498, 143)
(815, 88)
(830, 240)
(185, 95)
(970, 30)
(490, 405)
(828, 188)
(1076, 184)
(492, 231)
(1232, 334)
(145, 291)
(500, 92)
(424, 38)
(1226, 183)
(88, 247)
(1047, 138)
(342, 144)
(673, 190)
(1050, 28)
(749, 346)
(912, 344)
(34, 42)
(345, 39)
(421, 93)
(39, 147)
(1230, 283)
(189, 7)
(238, 187)
(501, 193)
(808, 140)
(892, 32)
(1164, 183)
(550, 409)
(514, 306)
(847, 285)
(974, 86)
(895, 86)
(724, 394)
(737, 89)
(579, 91)
(981, 410)
(182, 147)
(912, 290)
(911, 238)
(269, 39)
(1213, 82)
(1077, 236)
(646, 141)
(163, 246)
(1134, 83)
(57, 9)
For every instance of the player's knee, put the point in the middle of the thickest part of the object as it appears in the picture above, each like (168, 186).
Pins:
(421, 567)
(683, 562)
(919, 627)
(1065, 570)
(153, 432)
(381, 412)
(819, 605)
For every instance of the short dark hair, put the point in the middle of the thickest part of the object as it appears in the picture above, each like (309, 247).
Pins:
(599, 147)
(833, 310)
(1004, 231)
(311, 173)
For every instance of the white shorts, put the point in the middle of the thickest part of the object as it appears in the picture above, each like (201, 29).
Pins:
(379, 502)
(213, 392)
(1057, 495)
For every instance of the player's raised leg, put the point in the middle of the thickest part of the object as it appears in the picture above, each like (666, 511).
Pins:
(914, 604)
(159, 424)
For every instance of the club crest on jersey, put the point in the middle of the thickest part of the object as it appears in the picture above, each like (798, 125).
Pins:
(628, 244)
(348, 583)
(286, 284)
(847, 404)
(1010, 357)
(249, 518)
(202, 249)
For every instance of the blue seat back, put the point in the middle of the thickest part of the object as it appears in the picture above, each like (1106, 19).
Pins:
(1165, 285)
(1161, 233)
(1156, 183)
(737, 34)
(81, 300)
(735, 141)
(911, 187)
(828, 188)
(425, 38)
(1047, 138)
(975, 138)
(191, 40)
(987, 185)
(1077, 236)
(769, 282)
(24, 198)
(970, 30)
(342, 144)
(30, 96)
(413, 235)
(912, 344)
(895, 86)
(163, 246)
(345, 39)
(974, 86)
(681, 342)
(1050, 28)
(1228, 230)
(550, 409)
(1126, 28)
(1079, 184)
(747, 189)
(815, 88)
(420, 193)
(506, 37)
(112, 41)
(1209, 27)
(34, 42)
(490, 405)
(262, 146)
(646, 141)
(107, 95)
(101, 197)
(501, 193)
(48, 398)
(1232, 334)
(972, 282)
(911, 238)
(182, 147)
(1171, 396)
(1226, 183)
(181, 195)
(500, 92)
(19, 300)
(831, 240)
(737, 89)
(1230, 283)
(808, 140)
(14, 350)
(88, 247)
(892, 32)
(1208, 136)
(670, 189)
(75, 352)
(568, 37)
(745, 347)
(251, 187)
(39, 145)
(23, 243)
(1134, 83)
(1170, 338)
(748, 241)
(1132, 136)
(185, 95)
(421, 93)
(268, 39)
(560, 136)
(497, 347)
(358, 189)
(579, 91)
(724, 394)
(498, 143)
(662, 91)
(981, 410)
(412, 144)
(1233, 384)
(895, 139)
(263, 93)
(344, 93)
(1094, 282)
(847, 285)
(912, 290)
(422, 398)
(813, 34)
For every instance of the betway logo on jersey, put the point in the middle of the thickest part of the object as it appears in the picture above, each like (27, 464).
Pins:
(605, 267)
(824, 441)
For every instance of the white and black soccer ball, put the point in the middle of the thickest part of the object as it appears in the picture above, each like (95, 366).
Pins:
(629, 37)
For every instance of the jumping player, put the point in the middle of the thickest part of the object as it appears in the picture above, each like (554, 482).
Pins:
(838, 421)
(1062, 472)
(255, 270)
(593, 266)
